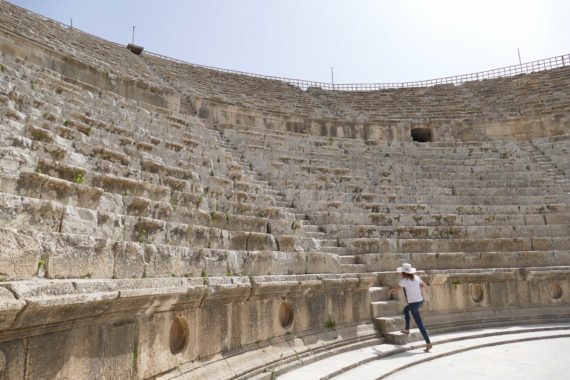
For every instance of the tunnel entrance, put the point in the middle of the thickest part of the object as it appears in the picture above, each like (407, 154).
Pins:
(422, 134)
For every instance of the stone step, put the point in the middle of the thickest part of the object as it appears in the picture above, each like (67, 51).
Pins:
(347, 259)
(399, 338)
(389, 246)
(311, 228)
(378, 293)
(299, 215)
(341, 251)
(389, 324)
(328, 243)
(316, 235)
(354, 268)
(383, 308)
(281, 204)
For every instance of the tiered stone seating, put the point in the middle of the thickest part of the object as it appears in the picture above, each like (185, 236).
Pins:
(103, 55)
(442, 205)
(144, 192)
(244, 91)
(542, 94)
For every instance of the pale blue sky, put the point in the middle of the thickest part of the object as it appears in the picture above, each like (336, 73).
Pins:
(365, 40)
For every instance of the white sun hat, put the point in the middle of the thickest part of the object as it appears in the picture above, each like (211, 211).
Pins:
(406, 268)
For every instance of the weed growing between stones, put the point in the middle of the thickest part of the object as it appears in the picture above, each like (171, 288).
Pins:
(330, 323)
(79, 177)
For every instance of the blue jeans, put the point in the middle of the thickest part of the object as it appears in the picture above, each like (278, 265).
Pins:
(414, 308)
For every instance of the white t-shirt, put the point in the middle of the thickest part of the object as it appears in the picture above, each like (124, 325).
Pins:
(413, 291)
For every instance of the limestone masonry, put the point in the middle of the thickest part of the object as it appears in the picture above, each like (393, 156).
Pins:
(162, 220)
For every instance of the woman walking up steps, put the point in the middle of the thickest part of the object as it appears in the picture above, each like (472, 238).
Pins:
(412, 285)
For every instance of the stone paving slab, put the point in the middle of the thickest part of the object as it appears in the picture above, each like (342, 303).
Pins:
(381, 360)
(538, 359)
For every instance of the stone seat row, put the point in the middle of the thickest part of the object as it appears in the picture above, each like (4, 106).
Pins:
(357, 246)
(421, 209)
(328, 200)
(403, 148)
(419, 216)
(383, 188)
(405, 173)
(381, 261)
(397, 231)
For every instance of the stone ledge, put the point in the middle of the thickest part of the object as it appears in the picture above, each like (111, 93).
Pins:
(46, 302)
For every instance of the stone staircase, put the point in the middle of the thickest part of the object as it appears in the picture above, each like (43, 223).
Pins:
(545, 163)
(388, 318)
(349, 262)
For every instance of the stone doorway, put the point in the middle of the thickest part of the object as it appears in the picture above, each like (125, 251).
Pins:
(422, 134)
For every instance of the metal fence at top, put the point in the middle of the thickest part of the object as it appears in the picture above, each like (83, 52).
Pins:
(508, 71)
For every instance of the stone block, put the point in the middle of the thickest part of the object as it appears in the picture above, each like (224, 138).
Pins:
(297, 243)
(19, 254)
(80, 221)
(76, 256)
(165, 261)
(129, 260)
(10, 307)
(28, 213)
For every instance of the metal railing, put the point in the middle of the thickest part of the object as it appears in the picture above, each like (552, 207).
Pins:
(508, 71)
(525, 68)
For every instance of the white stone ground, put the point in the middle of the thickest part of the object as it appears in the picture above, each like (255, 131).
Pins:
(522, 353)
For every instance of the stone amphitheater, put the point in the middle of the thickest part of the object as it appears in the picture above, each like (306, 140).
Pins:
(163, 220)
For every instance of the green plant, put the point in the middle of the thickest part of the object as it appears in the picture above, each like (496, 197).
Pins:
(33, 87)
(295, 225)
(42, 263)
(173, 201)
(204, 274)
(135, 355)
(142, 236)
(201, 200)
(455, 283)
(78, 177)
(228, 218)
(330, 323)
(250, 166)
(2, 278)
(84, 276)
(211, 172)
(67, 123)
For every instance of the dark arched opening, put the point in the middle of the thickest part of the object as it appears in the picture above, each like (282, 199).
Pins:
(422, 134)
